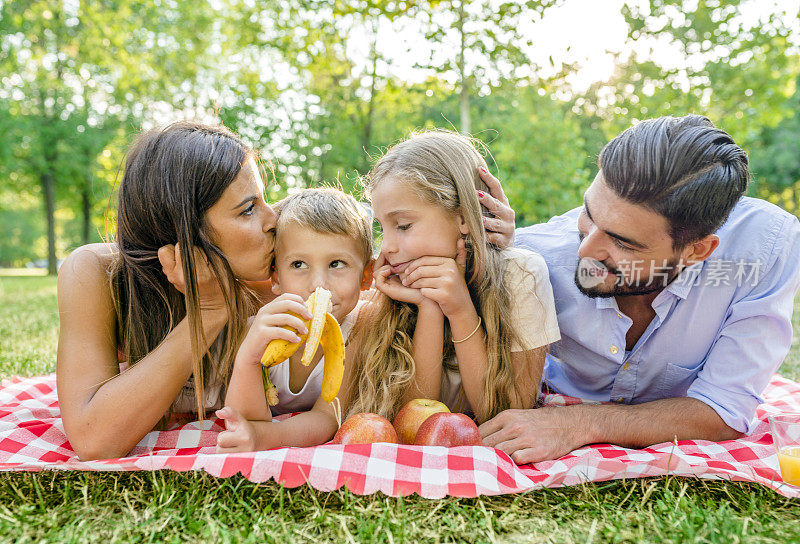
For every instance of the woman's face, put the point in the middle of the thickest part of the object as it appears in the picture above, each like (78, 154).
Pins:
(242, 225)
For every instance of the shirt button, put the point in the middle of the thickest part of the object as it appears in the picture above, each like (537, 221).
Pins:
(619, 315)
(614, 350)
(626, 366)
(620, 400)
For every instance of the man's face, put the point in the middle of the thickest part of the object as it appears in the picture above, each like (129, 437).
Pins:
(626, 248)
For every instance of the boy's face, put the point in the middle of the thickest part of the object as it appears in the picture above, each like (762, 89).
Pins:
(306, 259)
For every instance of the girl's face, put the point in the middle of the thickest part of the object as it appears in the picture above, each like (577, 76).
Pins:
(413, 228)
(242, 225)
(306, 259)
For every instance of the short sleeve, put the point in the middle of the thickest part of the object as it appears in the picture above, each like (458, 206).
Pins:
(754, 339)
(533, 307)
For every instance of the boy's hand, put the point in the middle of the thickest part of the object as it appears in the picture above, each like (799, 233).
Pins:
(239, 434)
(268, 325)
(441, 280)
(390, 284)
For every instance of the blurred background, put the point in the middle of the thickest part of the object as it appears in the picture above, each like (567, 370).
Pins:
(321, 87)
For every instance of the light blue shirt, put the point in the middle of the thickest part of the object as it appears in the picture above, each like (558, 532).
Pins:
(722, 327)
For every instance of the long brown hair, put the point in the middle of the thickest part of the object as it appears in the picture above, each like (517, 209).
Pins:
(441, 168)
(172, 176)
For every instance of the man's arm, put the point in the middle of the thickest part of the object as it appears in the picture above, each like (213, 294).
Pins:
(719, 404)
(530, 436)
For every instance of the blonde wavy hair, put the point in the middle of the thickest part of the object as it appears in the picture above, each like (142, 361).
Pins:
(441, 167)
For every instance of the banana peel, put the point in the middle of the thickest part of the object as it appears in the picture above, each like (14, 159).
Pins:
(323, 329)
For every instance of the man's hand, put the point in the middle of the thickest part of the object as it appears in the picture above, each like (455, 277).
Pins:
(239, 434)
(530, 436)
(500, 228)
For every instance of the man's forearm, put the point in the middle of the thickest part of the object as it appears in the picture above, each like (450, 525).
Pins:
(641, 425)
(539, 434)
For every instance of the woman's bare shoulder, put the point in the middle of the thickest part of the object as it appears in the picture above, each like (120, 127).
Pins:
(88, 265)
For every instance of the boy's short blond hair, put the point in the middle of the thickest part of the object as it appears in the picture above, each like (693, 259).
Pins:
(328, 211)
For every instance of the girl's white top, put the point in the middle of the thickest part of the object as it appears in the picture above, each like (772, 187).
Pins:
(533, 313)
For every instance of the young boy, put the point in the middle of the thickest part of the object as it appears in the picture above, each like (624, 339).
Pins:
(323, 239)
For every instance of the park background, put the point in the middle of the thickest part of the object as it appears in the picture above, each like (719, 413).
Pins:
(320, 87)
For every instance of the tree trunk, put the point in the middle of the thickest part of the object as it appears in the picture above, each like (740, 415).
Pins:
(87, 212)
(463, 79)
(366, 140)
(49, 191)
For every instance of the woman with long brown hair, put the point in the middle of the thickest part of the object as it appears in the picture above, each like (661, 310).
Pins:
(150, 323)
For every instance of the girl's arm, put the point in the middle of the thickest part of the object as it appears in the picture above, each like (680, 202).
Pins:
(106, 413)
(428, 339)
(428, 347)
(528, 368)
(469, 341)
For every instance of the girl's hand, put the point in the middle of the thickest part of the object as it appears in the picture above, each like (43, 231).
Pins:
(269, 324)
(500, 228)
(239, 434)
(390, 284)
(211, 296)
(441, 280)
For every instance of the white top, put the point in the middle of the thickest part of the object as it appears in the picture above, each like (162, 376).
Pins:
(304, 399)
(533, 312)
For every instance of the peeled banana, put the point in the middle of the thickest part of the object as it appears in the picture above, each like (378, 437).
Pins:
(322, 329)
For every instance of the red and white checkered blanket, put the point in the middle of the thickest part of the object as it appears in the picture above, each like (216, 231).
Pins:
(32, 438)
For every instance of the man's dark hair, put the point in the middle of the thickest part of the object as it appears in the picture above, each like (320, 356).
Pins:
(683, 168)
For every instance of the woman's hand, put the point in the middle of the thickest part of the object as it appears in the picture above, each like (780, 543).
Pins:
(239, 434)
(391, 285)
(270, 324)
(500, 228)
(441, 279)
(210, 293)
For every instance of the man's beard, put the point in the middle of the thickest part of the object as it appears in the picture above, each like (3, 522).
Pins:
(586, 279)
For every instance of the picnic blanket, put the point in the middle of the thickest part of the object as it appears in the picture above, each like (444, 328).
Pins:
(32, 439)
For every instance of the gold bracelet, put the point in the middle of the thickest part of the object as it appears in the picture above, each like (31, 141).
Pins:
(470, 334)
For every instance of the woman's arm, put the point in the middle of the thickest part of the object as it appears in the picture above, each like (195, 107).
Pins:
(106, 413)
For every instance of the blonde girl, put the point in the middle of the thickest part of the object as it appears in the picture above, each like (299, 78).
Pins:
(456, 318)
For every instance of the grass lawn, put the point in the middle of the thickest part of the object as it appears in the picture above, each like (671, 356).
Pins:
(170, 506)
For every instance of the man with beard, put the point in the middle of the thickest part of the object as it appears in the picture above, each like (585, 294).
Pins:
(674, 296)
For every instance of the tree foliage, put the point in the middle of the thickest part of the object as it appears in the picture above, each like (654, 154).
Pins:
(313, 86)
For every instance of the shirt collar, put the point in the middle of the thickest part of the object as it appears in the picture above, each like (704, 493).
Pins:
(687, 279)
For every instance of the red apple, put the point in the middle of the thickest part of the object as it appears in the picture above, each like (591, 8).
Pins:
(448, 430)
(414, 414)
(365, 428)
